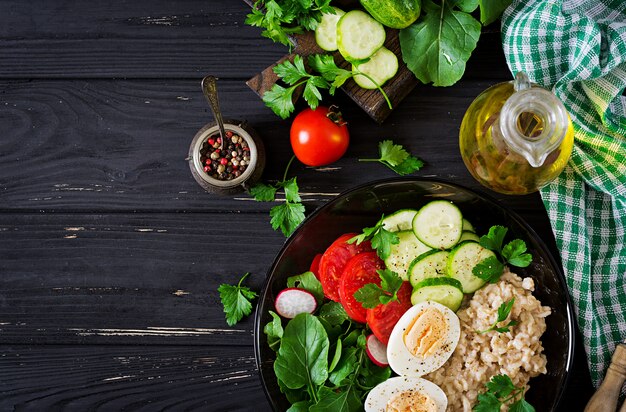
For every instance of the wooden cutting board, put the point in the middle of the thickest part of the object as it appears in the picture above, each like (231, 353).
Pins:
(371, 101)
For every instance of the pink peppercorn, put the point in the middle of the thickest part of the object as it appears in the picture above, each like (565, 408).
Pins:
(223, 161)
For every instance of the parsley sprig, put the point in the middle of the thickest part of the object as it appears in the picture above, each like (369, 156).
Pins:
(236, 300)
(513, 253)
(381, 238)
(502, 391)
(503, 313)
(372, 295)
(331, 77)
(288, 215)
(282, 18)
(395, 157)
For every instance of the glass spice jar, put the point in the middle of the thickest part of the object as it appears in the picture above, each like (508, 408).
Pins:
(516, 137)
(231, 168)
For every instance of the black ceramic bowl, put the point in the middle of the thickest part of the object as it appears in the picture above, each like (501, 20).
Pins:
(361, 207)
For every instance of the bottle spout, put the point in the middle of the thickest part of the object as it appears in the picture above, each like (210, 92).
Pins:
(536, 156)
(521, 82)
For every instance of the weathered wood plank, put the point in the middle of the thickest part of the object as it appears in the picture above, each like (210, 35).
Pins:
(216, 378)
(157, 39)
(120, 145)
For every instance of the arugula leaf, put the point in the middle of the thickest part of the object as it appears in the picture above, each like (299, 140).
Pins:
(337, 401)
(308, 282)
(395, 157)
(336, 356)
(345, 367)
(493, 240)
(502, 391)
(263, 193)
(514, 254)
(381, 238)
(503, 312)
(490, 10)
(274, 331)
(287, 217)
(333, 313)
(438, 45)
(302, 359)
(489, 269)
(236, 301)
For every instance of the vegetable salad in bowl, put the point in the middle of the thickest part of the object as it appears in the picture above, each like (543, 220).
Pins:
(416, 311)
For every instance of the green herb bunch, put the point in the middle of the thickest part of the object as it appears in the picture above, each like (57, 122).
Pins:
(513, 253)
(502, 391)
(281, 18)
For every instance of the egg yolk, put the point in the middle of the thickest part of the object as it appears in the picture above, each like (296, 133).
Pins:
(426, 333)
(411, 401)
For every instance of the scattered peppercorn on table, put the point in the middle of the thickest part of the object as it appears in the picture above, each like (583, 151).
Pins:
(111, 254)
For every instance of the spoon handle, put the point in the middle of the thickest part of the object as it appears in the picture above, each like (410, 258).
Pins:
(606, 397)
(209, 88)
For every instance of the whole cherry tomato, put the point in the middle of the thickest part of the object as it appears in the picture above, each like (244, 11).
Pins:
(320, 136)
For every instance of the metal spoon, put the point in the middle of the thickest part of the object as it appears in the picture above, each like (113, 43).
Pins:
(209, 88)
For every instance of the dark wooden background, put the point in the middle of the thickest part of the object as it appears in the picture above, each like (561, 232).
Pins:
(110, 253)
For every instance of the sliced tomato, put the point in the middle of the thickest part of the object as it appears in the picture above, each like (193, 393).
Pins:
(383, 318)
(359, 271)
(334, 260)
(315, 265)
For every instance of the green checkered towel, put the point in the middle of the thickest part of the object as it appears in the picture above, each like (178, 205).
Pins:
(577, 48)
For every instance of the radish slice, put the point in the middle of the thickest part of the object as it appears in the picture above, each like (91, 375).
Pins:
(377, 351)
(291, 302)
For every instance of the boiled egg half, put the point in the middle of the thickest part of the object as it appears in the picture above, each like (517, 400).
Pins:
(406, 393)
(423, 339)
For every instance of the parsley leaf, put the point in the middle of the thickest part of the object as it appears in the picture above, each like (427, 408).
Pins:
(263, 193)
(291, 190)
(381, 238)
(236, 301)
(502, 391)
(489, 269)
(395, 157)
(287, 217)
(372, 295)
(513, 252)
(280, 100)
(493, 240)
(503, 312)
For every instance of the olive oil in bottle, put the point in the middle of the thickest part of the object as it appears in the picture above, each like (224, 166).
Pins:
(516, 137)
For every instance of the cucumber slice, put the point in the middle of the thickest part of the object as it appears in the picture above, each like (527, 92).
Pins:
(467, 226)
(382, 66)
(400, 220)
(431, 264)
(359, 35)
(467, 235)
(404, 252)
(326, 31)
(438, 224)
(462, 260)
(444, 290)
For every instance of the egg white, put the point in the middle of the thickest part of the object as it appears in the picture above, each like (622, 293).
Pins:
(403, 362)
(379, 396)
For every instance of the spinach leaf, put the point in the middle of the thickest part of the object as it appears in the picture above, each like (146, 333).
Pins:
(308, 282)
(292, 395)
(303, 355)
(336, 357)
(345, 367)
(301, 406)
(333, 313)
(274, 331)
(348, 400)
(437, 46)
(490, 10)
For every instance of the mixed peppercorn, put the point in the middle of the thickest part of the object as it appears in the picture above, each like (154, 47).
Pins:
(227, 163)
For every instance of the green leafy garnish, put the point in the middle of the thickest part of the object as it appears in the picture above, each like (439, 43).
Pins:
(513, 253)
(503, 313)
(437, 46)
(308, 282)
(236, 300)
(280, 99)
(372, 295)
(286, 216)
(502, 391)
(274, 331)
(282, 18)
(395, 157)
(381, 238)
(490, 10)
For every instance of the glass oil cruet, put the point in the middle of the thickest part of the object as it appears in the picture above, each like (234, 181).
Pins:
(516, 137)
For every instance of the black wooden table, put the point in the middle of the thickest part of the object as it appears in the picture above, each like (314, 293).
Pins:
(110, 253)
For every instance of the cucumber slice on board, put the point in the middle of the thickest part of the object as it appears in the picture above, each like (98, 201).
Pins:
(404, 252)
(438, 224)
(444, 290)
(431, 264)
(359, 35)
(461, 262)
(326, 31)
(382, 66)
(467, 235)
(400, 220)
(467, 226)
